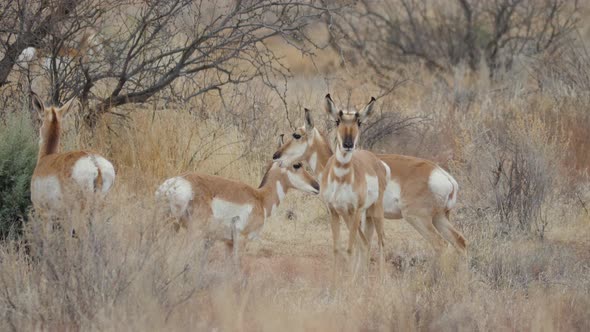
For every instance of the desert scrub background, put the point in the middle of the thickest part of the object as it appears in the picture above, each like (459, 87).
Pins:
(516, 141)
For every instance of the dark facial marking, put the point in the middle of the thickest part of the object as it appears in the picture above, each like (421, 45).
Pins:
(276, 155)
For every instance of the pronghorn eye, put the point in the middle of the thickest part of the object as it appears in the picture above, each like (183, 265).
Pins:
(297, 166)
(338, 122)
(296, 136)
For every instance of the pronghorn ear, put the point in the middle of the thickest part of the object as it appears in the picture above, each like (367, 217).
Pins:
(37, 103)
(280, 140)
(331, 108)
(308, 119)
(367, 111)
(65, 109)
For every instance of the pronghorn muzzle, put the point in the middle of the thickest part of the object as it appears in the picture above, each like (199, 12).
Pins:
(348, 143)
(276, 155)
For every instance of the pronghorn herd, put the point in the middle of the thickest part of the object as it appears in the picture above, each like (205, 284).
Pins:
(357, 186)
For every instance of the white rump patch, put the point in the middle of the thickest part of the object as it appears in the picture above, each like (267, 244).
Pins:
(84, 173)
(226, 211)
(46, 192)
(372, 190)
(442, 185)
(392, 198)
(26, 56)
(179, 193)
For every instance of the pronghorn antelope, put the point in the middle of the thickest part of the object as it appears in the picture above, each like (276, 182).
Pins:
(353, 181)
(226, 209)
(419, 191)
(90, 43)
(63, 181)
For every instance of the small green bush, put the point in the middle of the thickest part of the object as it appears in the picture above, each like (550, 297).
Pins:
(18, 155)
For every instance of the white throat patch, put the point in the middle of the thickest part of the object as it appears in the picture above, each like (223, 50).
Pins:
(313, 161)
(343, 158)
(280, 191)
(299, 184)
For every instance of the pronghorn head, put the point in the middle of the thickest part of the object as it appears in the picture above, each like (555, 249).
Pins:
(50, 118)
(348, 123)
(297, 146)
(293, 176)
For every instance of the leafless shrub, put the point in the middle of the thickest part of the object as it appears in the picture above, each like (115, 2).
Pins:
(565, 72)
(388, 126)
(443, 34)
(147, 46)
(521, 184)
(524, 177)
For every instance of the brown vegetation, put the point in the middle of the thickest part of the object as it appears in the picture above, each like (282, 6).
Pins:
(517, 144)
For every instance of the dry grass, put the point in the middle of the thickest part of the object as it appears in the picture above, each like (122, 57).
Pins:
(129, 271)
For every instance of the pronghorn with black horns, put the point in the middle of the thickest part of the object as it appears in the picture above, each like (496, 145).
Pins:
(230, 210)
(353, 181)
(65, 181)
(419, 191)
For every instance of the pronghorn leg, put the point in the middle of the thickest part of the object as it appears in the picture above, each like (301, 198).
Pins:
(335, 225)
(176, 225)
(444, 227)
(183, 221)
(378, 223)
(423, 224)
(362, 236)
(368, 230)
(364, 253)
(235, 236)
(354, 220)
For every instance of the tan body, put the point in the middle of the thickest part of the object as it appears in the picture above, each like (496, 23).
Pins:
(353, 192)
(419, 190)
(63, 182)
(226, 209)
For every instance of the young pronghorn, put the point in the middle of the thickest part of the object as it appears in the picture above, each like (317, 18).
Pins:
(226, 209)
(353, 181)
(419, 191)
(63, 181)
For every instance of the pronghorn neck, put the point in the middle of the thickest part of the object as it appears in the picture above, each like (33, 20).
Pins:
(271, 194)
(342, 167)
(49, 138)
(318, 153)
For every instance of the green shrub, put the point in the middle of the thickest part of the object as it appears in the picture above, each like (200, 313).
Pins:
(18, 155)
